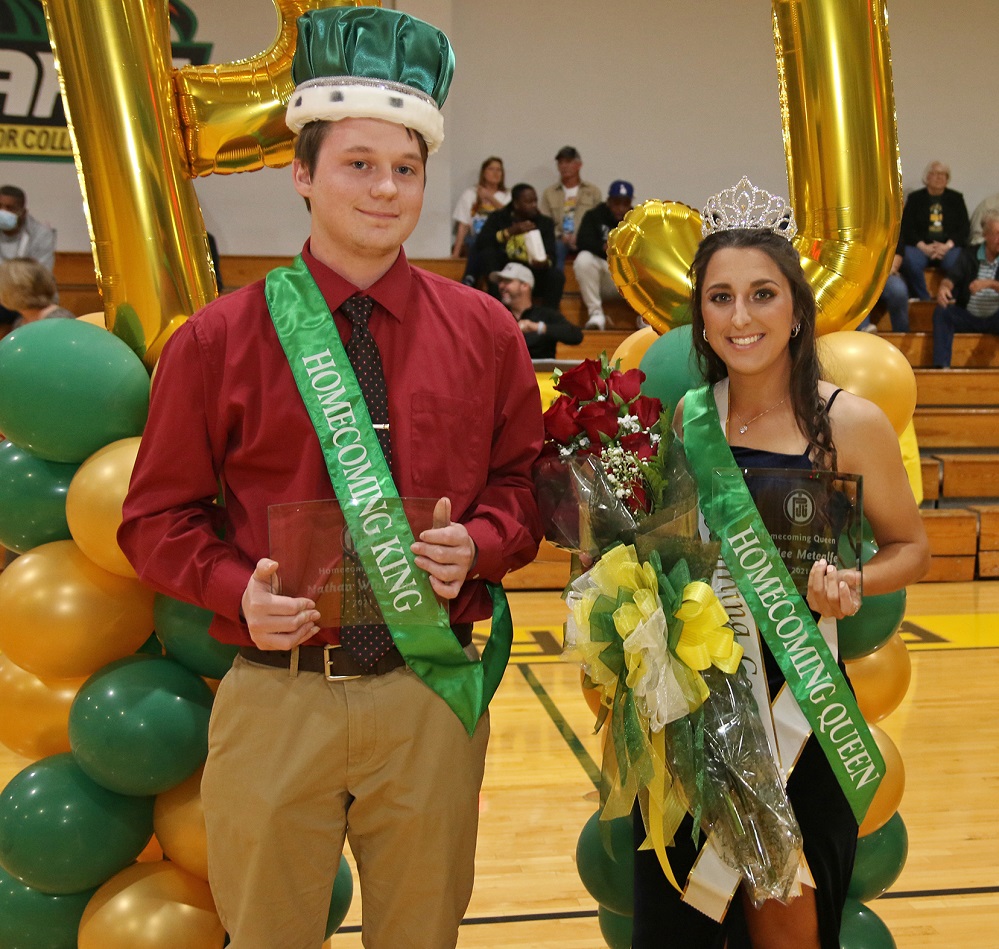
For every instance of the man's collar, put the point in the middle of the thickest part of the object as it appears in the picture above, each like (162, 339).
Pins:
(390, 291)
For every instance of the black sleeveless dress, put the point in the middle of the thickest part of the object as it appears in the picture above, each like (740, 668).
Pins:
(828, 829)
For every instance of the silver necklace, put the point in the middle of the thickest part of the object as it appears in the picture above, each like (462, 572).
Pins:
(745, 424)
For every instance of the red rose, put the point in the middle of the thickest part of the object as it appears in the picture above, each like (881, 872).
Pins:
(597, 418)
(582, 382)
(638, 444)
(638, 500)
(626, 385)
(647, 410)
(560, 420)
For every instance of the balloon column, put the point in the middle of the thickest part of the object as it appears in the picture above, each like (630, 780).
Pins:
(117, 737)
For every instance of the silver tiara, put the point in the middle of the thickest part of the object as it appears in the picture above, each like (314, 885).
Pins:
(746, 206)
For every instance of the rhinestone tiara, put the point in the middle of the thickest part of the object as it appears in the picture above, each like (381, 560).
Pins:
(746, 206)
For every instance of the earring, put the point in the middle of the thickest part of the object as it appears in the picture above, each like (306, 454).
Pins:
(795, 330)
(704, 333)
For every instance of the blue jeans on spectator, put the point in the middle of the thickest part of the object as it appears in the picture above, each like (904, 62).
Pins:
(948, 320)
(914, 262)
(895, 297)
(562, 251)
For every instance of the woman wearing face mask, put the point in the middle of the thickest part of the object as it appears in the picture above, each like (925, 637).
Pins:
(765, 406)
(27, 289)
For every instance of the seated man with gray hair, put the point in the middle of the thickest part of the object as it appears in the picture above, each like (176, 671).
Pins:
(968, 299)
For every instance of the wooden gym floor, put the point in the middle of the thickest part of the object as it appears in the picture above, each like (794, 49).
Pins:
(539, 785)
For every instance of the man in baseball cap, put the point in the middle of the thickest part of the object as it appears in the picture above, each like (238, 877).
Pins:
(590, 266)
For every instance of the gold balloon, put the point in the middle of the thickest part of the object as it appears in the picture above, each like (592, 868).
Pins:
(889, 793)
(93, 504)
(179, 822)
(146, 229)
(871, 367)
(632, 349)
(232, 114)
(151, 853)
(64, 617)
(151, 906)
(649, 255)
(34, 713)
(841, 150)
(881, 679)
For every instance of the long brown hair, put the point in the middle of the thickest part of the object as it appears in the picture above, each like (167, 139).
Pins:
(808, 406)
(482, 172)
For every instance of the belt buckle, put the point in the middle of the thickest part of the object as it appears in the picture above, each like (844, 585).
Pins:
(329, 663)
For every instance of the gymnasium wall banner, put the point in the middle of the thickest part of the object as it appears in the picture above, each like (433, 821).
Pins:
(32, 120)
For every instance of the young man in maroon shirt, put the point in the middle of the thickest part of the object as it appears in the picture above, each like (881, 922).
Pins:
(307, 743)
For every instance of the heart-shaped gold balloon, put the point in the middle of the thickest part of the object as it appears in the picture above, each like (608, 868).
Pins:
(649, 254)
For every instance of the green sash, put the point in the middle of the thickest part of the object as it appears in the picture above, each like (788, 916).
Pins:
(781, 615)
(362, 480)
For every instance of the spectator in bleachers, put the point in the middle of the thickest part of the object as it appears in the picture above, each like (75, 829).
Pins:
(894, 296)
(566, 202)
(968, 299)
(476, 204)
(28, 290)
(22, 235)
(590, 266)
(522, 234)
(991, 203)
(934, 228)
(543, 328)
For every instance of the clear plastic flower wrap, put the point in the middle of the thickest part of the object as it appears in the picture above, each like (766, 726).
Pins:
(721, 757)
(652, 636)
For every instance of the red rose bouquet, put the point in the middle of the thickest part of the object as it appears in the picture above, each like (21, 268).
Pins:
(604, 466)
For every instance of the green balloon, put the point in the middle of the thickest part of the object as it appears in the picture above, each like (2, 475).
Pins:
(670, 367)
(615, 928)
(183, 630)
(862, 928)
(32, 499)
(343, 893)
(139, 725)
(608, 871)
(62, 833)
(68, 388)
(880, 858)
(30, 919)
(877, 620)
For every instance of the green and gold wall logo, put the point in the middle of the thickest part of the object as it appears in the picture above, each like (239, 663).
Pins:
(32, 120)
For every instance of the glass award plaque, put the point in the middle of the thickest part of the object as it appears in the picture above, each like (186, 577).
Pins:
(317, 558)
(810, 515)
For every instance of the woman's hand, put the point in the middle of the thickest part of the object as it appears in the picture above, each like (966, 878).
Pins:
(833, 592)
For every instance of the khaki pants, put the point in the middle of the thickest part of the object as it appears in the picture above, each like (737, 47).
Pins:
(296, 763)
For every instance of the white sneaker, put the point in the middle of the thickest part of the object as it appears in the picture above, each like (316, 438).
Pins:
(596, 322)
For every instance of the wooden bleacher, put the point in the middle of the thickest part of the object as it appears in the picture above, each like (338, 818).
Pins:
(956, 419)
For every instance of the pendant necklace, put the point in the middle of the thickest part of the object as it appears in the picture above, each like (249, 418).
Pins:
(745, 425)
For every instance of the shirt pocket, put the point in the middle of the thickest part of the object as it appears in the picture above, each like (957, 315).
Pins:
(449, 445)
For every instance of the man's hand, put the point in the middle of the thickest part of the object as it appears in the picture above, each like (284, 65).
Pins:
(528, 326)
(446, 552)
(276, 622)
(977, 286)
(833, 592)
(521, 227)
(944, 295)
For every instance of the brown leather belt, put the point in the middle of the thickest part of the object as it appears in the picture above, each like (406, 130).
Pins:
(334, 662)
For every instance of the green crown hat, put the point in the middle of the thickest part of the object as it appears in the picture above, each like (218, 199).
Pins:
(368, 62)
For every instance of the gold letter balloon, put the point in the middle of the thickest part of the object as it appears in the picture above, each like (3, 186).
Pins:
(140, 129)
(841, 147)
